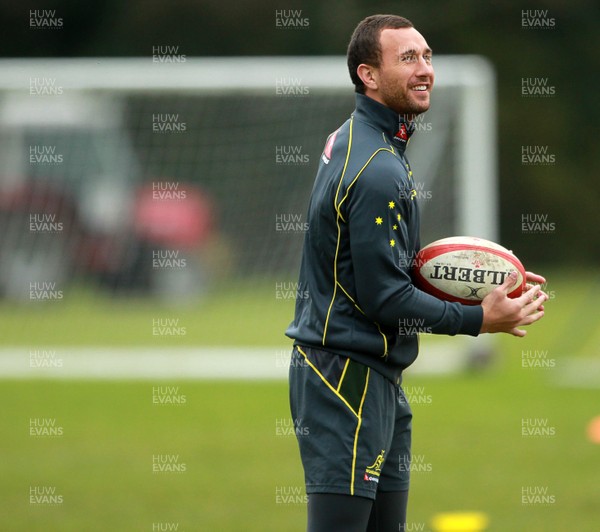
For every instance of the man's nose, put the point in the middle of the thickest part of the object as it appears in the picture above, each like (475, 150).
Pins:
(424, 68)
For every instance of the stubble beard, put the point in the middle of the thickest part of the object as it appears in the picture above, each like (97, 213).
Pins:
(401, 102)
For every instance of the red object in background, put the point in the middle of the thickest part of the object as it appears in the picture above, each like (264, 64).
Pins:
(39, 198)
(174, 215)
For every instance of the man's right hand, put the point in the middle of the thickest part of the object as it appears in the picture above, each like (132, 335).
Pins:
(502, 314)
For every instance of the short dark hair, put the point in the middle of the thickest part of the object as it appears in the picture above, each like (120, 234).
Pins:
(364, 44)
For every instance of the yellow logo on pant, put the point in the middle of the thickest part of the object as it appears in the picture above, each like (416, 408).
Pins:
(374, 470)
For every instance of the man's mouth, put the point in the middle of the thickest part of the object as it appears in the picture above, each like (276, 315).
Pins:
(419, 88)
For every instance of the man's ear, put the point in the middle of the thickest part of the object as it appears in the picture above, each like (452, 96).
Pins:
(369, 76)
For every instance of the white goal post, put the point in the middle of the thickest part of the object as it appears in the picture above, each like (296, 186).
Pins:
(473, 76)
(236, 113)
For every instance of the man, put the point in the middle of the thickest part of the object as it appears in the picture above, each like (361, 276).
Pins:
(349, 351)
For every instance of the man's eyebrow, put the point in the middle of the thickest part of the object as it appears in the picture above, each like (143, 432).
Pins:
(412, 51)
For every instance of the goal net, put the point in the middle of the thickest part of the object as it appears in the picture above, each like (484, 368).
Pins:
(98, 155)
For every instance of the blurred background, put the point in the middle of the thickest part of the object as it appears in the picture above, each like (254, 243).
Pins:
(152, 210)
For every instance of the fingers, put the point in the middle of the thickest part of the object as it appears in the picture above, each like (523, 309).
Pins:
(531, 318)
(530, 286)
(528, 320)
(543, 294)
(534, 278)
(521, 311)
(518, 332)
(509, 282)
(533, 306)
(539, 294)
(530, 294)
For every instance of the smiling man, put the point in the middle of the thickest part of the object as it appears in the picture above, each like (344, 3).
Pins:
(351, 342)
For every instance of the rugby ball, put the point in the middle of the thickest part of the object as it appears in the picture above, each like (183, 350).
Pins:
(465, 269)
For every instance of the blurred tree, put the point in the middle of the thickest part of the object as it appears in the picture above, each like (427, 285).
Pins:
(568, 191)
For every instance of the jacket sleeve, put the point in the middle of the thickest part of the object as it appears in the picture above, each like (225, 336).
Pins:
(378, 213)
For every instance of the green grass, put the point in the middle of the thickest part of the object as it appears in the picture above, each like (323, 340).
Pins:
(469, 435)
(102, 464)
(238, 314)
(247, 314)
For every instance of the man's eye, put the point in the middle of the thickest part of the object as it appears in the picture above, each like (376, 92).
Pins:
(427, 58)
(408, 58)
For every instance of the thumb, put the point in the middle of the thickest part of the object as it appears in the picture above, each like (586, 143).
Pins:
(509, 282)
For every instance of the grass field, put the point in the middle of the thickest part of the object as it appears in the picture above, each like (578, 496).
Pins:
(230, 462)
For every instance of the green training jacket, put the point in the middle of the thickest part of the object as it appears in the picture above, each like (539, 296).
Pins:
(355, 292)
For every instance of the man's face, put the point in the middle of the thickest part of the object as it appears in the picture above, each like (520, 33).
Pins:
(405, 76)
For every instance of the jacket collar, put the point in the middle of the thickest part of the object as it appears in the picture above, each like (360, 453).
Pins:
(395, 127)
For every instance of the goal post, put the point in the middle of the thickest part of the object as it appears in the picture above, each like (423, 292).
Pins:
(246, 131)
(462, 116)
